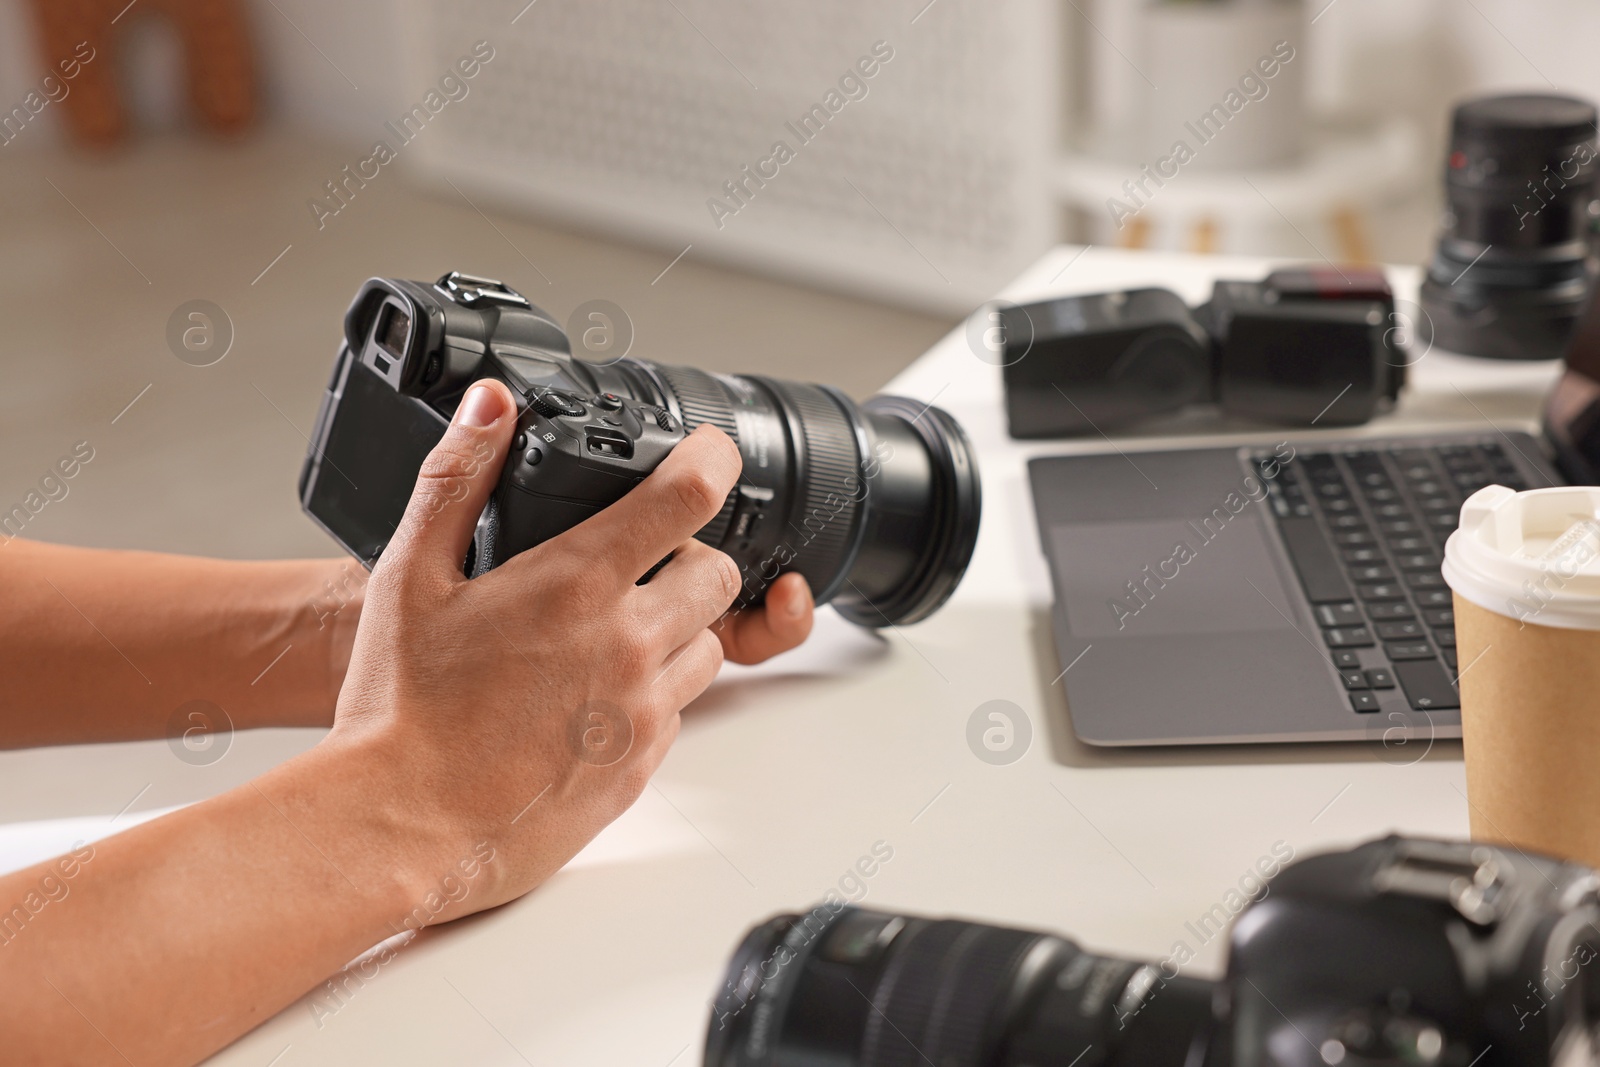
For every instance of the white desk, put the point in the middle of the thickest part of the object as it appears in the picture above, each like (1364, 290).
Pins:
(786, 774)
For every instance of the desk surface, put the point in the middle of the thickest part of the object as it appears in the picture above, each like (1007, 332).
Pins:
(786, 774)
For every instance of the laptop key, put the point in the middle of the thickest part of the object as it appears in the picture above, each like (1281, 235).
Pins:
(1434, 598)
(1427, 685)
(1449, 655)
(1343, 613)
(1362, 555)
(1372, 573)
(1390, 609)
(1354, 538)
(1381, 591)
(1349, 637)
(1345, 659)
(1397, 527)
(1364, 701)
(1400, 631)
(1405, 650)
(1446, 617)
(1314, 560)
(1425, 580)
(1378, 678)
(1354, 679)
(1418, 561)
(1445, 638)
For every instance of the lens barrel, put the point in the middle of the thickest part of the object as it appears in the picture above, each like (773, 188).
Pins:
(876, 504)
(853, 987)
(1514, 263)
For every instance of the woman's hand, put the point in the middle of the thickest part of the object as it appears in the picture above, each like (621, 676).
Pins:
(528, 708)
(486, 730)
(781, 623)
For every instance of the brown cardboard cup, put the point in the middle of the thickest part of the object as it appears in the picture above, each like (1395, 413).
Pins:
(1524, 569)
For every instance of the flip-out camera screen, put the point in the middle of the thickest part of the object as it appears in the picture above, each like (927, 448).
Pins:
(369, 461)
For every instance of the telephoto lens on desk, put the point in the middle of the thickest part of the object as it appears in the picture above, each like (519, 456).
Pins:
(1517, 257)
(1397, 952)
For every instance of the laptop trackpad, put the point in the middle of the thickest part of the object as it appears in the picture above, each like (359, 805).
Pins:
(1158, 577)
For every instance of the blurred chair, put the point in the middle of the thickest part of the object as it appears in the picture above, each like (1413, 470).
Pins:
(217, 48)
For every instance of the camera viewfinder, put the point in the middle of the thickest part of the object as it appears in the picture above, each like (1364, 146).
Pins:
(394, 327)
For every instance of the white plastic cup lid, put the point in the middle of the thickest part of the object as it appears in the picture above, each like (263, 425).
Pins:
(1532, 556)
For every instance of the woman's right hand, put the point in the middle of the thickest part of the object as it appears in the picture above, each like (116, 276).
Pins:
(516, 714)
(486, 731)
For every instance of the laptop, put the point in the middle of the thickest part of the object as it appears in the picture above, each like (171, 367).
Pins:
(1288, 592)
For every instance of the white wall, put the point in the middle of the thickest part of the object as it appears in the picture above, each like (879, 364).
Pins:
(1368, 57)
(1364, 58)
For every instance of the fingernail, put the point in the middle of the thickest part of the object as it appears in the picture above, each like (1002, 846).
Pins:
(797, 604)
(481, 407)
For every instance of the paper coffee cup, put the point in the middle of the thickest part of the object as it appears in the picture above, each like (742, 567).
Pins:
(1525, 572)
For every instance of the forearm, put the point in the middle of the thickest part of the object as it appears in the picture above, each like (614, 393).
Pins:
(170, 940)
(102, 645)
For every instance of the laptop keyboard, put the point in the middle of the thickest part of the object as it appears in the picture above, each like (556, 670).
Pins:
(1365, 529)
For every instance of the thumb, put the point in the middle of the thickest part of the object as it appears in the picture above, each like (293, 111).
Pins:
(456, 479)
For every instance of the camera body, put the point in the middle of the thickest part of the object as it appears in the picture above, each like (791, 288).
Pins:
(1303, 345)
(410, 353)
(1399, 951)
(1416, 951)
(876, 504)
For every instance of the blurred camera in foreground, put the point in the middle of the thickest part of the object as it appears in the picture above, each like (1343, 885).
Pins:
(1399, 951)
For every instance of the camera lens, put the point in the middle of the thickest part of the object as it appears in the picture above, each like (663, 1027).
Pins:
(1514, 263)
(850, 986)
(876, 504)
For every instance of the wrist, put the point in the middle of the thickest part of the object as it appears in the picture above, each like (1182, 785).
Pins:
(319, 609)
(393, 845)
(335, 613)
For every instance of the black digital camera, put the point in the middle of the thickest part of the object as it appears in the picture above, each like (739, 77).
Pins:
(1302, 346)
(876, 504)
(1397, 952)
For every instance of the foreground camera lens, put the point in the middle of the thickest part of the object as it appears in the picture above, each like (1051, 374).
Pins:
(876, 504)
(1514, 263)
(846, 987)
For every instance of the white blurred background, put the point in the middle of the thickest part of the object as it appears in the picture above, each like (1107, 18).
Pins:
(583, 163)
(1364, 64)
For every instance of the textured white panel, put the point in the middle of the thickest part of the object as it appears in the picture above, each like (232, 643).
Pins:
(927, 183)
